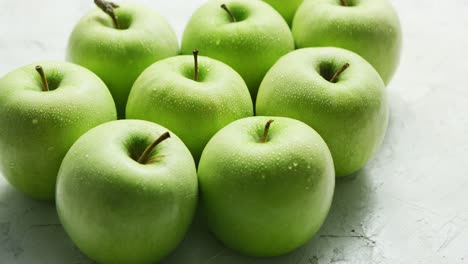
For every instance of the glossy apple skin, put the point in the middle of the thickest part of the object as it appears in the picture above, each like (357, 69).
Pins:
(117, 210)
(286, 8)
(370, 28)
(266, 199)
(166, 94)
(119, 56)
(250, 46)
(37, 128)
(351, 115)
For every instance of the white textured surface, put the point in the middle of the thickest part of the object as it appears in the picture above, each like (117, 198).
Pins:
(409, 205)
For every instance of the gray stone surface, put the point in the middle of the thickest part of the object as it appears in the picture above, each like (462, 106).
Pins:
(409, 205)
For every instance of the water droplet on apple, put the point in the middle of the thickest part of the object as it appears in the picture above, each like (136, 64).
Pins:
(290, 167)
(86, 156)
(295, 164)
(35, 121)
(218, 42)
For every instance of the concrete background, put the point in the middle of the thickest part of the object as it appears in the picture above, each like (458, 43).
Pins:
(409, 205)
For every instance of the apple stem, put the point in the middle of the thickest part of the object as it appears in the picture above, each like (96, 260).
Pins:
(265, 132)
(344, 2)
(45, 84)
(144, 156)
(233, 18)
(339, 72)
(195, 59)
(108, 8)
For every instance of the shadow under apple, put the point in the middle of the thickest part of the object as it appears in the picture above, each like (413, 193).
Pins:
(31, 226)
(30, 231)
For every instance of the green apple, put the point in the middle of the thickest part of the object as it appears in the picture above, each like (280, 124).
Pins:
(42, 114)
(250, 36)
(195, 107)
(370, 28)
(286, 8)
(119, 55)
(123, 199)
(266, 185)
(346, 106)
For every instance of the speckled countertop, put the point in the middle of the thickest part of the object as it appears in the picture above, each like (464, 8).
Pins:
(409, 205)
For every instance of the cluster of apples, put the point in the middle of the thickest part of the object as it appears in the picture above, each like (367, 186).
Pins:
(126, 191)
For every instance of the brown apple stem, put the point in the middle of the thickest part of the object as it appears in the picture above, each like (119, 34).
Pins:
(195, 59)
(108, 8)
(344, 3)
(265, 132)
(233, 18)
(144, 156)
(339, 72)
(45, 84)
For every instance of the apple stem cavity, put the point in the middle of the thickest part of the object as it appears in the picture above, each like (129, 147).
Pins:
(344, 2)
(45, 84)
(108, 8)
(195, 60)
(144, 156)
(339, 72)
(265, 132)
(233, 18)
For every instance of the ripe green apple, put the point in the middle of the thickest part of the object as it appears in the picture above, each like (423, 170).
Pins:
(118, 56)
(370, 28)
(123, 199)
(194, 107)
(41, 115)
(346, 106)
(250, 36)
(266, 187)
(286, 8)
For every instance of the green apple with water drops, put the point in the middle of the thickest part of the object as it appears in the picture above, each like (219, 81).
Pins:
(119, 42)
(45, 107)
(336, 92)
(266, 185)
(193, 96)
(250, 36)
(127, 192)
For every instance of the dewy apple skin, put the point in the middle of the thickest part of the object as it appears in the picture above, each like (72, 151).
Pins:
(336, 92)
(193, 96)
(250, 36)
(45, 107)
(370, 28)
(266, 185)
(126, 192)
(119, 55)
